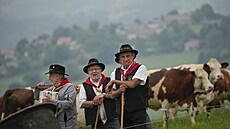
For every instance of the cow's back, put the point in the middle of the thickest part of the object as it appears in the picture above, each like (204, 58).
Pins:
(178, 85)
(16, 99)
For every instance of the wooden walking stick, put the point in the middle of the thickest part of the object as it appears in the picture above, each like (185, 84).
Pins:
(98, 111)
(122, 105)
(122, 109)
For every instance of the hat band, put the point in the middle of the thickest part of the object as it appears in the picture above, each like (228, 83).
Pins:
(125, 48)
(93, 63)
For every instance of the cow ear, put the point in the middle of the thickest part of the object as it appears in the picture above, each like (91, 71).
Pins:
(224, 65)
(207, 68)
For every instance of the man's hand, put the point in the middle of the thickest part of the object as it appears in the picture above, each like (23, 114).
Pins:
(98, 99)
(122, 88)
(108, 86)
(47, 99)
(41, 83)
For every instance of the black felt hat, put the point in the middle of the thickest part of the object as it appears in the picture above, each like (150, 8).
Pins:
(56, 68)
(92, 62)
(123, 49)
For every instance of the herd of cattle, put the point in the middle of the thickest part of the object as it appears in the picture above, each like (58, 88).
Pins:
(192, 88)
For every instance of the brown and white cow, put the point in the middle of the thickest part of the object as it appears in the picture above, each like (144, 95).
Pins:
(215, 74)
(221, 91)
(176, 88)
(16, 99)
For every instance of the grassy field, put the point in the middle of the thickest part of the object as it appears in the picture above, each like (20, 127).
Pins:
(219, 120)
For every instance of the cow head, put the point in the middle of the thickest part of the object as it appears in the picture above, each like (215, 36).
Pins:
(215, 70)
(202, 82)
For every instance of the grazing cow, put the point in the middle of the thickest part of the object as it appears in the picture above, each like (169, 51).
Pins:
(215, 74)
(176, 88)
(16, 99)
(221, 91)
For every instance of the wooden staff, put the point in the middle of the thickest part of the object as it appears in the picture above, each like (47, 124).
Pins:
(122, 105)
(122, 109)
(98, 111)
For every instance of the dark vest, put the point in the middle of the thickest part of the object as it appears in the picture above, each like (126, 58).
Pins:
(109, 104)
(135, 98)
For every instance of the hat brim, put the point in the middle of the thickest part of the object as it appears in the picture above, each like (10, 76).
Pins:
(85, 69)
(118, 54)
(57, 72)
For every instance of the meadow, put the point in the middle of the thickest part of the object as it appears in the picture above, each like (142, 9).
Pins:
(219, 120)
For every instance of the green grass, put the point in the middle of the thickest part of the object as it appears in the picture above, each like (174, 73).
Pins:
(168, 60)
(219, 120)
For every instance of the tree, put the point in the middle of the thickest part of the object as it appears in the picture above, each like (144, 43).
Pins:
(21, 47)
(174, 37)
(93, 25)
(173, 12)
(204, 13)
(207, 11)
(61, 32)
(138, 21)
(58, 54)
(2, 60)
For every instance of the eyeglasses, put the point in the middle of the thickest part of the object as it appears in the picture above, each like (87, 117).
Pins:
(92, 69)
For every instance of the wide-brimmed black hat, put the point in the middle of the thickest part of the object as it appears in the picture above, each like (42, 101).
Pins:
(125, 48)
(56, 68)
(93, 61)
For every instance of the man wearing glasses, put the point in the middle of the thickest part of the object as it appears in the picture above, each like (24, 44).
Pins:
(99, 107)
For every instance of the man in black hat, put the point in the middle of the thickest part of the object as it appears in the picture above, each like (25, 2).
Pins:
(130, 79)
(99, 107)
(66, 103)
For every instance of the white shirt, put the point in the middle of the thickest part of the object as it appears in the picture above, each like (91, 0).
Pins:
(83, 98)
(140, 74)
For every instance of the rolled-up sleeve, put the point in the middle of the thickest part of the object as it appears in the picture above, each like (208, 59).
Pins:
(141, 74)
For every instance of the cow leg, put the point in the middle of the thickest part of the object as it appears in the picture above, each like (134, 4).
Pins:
(2, 115)
(172, 113)
(192, 113)
(226, 103)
